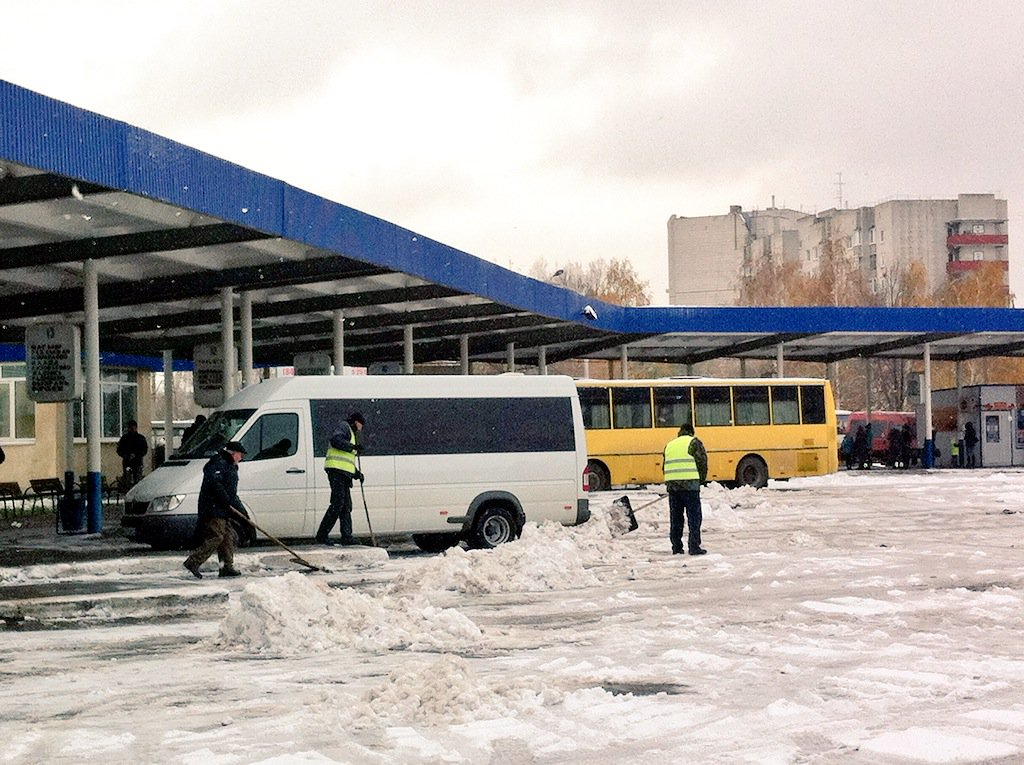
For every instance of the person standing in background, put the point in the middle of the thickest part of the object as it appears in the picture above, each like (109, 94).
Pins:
(131, 448)
(686, 469)
(340, 465)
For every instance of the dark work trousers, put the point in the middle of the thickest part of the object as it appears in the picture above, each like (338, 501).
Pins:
(340, 507)
(680, 504)
(217, 535)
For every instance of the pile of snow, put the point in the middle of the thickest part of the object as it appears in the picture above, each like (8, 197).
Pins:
(296, 614)
(545, 558)
(448, 691)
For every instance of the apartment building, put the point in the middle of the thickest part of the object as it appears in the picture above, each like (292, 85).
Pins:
(708, 255)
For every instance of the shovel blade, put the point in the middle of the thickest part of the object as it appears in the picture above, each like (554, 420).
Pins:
(627, 509)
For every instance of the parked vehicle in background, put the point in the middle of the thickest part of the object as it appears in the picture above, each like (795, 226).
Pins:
(882, 426)
(753, 429)
(446, 458)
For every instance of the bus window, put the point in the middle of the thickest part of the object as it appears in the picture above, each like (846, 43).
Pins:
(632, 407)
(712, 405)
(596, 411)
(751, 404)
(672, 407)
(784, 405)
(812, 404)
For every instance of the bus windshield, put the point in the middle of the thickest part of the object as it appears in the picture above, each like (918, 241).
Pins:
(218, 429)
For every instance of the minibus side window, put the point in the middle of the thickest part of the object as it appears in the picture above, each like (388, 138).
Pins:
(450, 426)
(272, 436)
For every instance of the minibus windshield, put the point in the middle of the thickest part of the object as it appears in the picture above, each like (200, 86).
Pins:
(220, 428)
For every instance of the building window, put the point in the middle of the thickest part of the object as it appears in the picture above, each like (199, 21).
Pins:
(855, 237)
(881, 235)
(979, 255)
(119, 395)
(871, 234)
(978, 228)
(17, 410)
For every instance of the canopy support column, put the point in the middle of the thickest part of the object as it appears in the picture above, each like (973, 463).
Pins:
(408, 350)
(624, 361)
(510, 357)
(168, 403)
(245, 336)
(93, 400)
(542, 360)
(338, 335)
(780, 361)
(227, 342)
(928, 456)
(464, 354)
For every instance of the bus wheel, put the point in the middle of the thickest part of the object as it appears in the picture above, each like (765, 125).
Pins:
(435, 543)
(752, 472)
(600, 480)
(493, 526)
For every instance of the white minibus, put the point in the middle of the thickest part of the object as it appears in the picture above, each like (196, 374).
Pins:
(446, 459)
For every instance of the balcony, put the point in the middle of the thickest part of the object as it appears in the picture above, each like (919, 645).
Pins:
(959, 240)
(967, 266)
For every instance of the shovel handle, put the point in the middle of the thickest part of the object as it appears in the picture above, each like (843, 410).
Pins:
(295, 556)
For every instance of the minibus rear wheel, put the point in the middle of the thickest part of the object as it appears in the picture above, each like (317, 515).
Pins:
(492, 526)
(600, 479)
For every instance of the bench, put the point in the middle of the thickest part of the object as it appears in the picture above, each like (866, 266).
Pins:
(11, 498)
(43, 490)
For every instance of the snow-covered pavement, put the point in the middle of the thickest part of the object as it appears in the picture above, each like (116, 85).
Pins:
(856, 618)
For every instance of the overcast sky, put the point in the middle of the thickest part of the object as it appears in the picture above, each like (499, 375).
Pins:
(563, 131)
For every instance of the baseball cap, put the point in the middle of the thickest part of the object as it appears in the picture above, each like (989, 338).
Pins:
(234, 446)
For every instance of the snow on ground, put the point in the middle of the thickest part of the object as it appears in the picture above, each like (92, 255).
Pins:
(859, 618)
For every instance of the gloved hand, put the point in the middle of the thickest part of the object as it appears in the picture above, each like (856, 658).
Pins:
(357, 476)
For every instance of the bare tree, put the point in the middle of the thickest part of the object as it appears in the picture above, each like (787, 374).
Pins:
(614, 281)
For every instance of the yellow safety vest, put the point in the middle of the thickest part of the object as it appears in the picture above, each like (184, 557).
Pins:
(679, 463)
(954, 448)
(339, 459)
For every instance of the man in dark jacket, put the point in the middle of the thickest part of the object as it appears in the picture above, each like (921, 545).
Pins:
(217, 496)
(131, 448)
(686, 468)
(341, 467)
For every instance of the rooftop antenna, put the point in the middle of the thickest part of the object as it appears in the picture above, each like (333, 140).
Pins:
(839, 190)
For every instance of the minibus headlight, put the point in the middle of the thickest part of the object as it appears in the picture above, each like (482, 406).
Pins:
(166, 504)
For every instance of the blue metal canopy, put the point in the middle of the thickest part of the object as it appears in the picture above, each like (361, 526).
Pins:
(170, 226)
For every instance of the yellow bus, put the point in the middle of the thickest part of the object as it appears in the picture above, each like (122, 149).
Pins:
(753, 428)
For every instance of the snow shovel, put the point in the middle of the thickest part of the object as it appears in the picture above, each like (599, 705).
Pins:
(624, 503)
(366, 509)
(295, 556)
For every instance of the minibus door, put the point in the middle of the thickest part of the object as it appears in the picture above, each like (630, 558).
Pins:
(273, 478)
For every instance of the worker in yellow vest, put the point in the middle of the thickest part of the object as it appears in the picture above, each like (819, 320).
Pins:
(341, 467)
(686, 468)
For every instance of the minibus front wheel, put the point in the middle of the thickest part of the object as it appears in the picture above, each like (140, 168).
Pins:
(494, 525)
